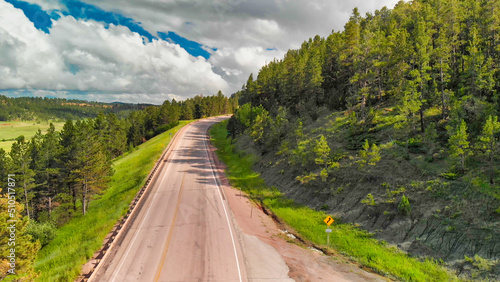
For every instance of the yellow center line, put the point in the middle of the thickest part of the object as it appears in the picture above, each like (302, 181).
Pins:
(171, 231)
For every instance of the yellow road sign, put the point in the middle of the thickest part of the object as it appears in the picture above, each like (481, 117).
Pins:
(329, 220)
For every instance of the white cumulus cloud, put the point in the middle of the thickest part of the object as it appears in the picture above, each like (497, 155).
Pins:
(242, 31)
(112, 63)
(87, 56)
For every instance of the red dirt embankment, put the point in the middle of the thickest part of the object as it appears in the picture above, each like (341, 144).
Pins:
(305, 264)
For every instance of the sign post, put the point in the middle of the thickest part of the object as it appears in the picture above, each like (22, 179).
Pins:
(328, 220)
(328, 231)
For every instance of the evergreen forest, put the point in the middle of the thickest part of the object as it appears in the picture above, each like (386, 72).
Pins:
(391, 124)
(58, 173)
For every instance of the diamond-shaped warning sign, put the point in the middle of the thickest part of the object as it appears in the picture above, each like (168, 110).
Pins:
(329, 220)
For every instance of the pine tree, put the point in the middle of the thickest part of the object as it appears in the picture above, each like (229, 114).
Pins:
(362, 66)
(116, 135)
(313, 89)
(380, 56)
(421, 74)
(491, 27)
(249, 94)
(299, 132)
(442, 53)
(48, 166)
(459, 144)
(91, 168)
(474, 65)
(353, 61)
(398, 67)
(322, 151)
(187, 112)
(260, 123)
(488, 143)
(277, 128)
(112, 134)
(69, 146)
(369, 155)
(136, 132)
(34, 149)
(20, 156)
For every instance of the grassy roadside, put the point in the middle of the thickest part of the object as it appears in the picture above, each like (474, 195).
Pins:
(76, 242)
(345, 238)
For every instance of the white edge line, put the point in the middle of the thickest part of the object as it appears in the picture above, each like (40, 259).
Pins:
(224, 206)
(129, 246)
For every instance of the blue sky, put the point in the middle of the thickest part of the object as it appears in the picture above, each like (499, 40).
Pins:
(152, 50)
(83, 11)
(40, 18)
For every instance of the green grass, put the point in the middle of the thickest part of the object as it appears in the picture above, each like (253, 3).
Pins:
(76, 242)
(345, 238)
(10, 130)
(7, 145)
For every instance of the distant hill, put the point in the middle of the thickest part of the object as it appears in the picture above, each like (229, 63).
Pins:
(37, 108)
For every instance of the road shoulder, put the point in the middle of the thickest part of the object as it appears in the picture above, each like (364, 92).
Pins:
(303, 264)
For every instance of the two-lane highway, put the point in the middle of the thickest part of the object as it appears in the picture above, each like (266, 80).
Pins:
(184, 229)
(191, 226)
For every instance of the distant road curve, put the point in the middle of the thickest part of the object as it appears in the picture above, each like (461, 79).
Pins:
(184, 229)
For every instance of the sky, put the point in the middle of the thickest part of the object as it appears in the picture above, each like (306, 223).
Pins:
(148, 51)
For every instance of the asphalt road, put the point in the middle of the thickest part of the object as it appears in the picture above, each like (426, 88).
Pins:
(185, 230)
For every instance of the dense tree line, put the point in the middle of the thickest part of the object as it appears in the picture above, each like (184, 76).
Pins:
(422, 54)
(434, 65)
(59, 172)
(154, 120)
(37, 108)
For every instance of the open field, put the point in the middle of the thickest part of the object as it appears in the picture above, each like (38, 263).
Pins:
(10, 130)
(345, 238)
(76, 242)
(6, 145)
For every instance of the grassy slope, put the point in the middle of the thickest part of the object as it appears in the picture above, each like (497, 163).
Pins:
(309, 223)
(77, 241)
(10, 130)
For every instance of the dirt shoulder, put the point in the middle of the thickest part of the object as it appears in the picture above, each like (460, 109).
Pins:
(305, 264)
